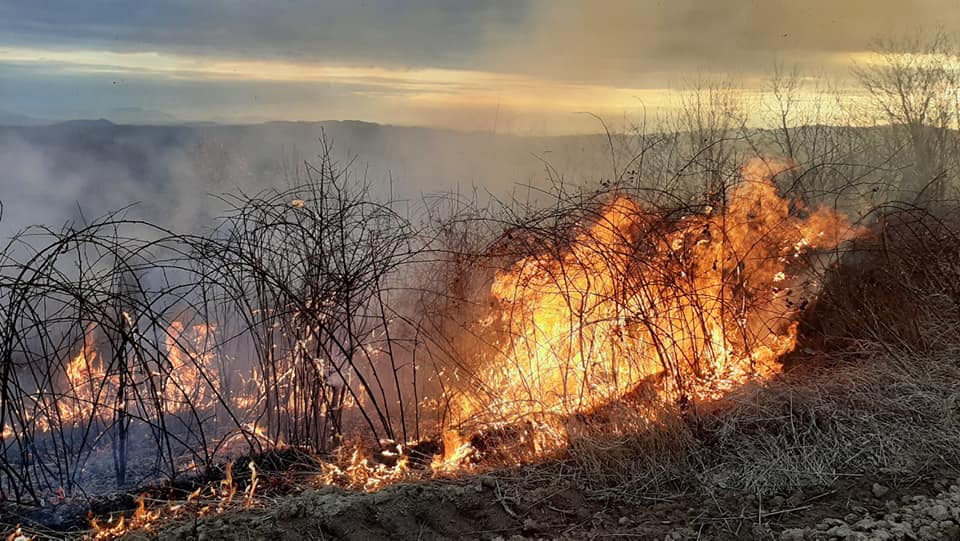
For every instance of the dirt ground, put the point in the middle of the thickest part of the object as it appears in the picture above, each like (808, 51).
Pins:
(523, 505)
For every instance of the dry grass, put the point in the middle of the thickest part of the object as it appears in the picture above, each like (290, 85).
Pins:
(888, 414)
(848, 416)
(873, 392)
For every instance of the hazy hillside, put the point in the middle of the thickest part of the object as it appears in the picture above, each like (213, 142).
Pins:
(54, 172)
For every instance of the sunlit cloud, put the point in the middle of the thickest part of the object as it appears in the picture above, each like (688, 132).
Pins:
(431, 87)
(434, 96)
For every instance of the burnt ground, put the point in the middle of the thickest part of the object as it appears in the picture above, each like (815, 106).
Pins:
(857, 449)
(536, 503)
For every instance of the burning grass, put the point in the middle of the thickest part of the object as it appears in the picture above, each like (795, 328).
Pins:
(871, 393)
(632, 350)
(698, 300)
(822, 421)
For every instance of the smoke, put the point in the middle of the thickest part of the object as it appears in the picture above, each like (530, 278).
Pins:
(42, 185)
(173, 176)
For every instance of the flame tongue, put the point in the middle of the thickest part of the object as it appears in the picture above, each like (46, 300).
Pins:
(188, 357)
(189, 354)
(86, 375)
(703, 298)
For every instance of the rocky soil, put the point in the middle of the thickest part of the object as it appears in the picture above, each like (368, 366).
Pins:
(910, 517)
(498, 508)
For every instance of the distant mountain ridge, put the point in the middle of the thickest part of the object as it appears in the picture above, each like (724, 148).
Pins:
(140, 116)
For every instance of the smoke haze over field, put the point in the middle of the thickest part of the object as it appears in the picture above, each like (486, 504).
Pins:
(172, 175)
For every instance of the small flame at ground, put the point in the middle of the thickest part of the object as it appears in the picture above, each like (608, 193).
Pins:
(219, 499)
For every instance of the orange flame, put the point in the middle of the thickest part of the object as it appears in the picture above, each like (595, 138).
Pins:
(144, 518)
(18, 535)
(250, 492)
(457, 450)
(190, 357)
(709, 299)
(363, 474)
(86, 375)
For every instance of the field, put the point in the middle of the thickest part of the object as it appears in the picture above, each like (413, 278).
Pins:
(734, 333)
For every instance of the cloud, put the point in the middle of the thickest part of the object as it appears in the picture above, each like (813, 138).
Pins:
(653, 43)
(413, 33)
(613, 42)
(397, 95)
(443, 63)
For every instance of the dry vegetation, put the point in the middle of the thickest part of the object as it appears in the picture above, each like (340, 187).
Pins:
(353, 327)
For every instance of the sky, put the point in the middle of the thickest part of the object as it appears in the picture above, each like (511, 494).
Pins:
(519, 66)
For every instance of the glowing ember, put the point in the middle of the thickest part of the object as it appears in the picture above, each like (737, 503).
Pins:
(18, 535)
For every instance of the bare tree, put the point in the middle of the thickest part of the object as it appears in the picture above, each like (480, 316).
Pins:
(912, 84)
(711, 118)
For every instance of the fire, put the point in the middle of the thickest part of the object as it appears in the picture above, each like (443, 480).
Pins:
(191, 358)
(706, 299)
(361, 473)
(18, 535)
(356, 472)
(185, 381)
(227, 487)
(142, 518)
(249, 494)
(88, 381)
(457, 450)
(695, 303)
(217, 498)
